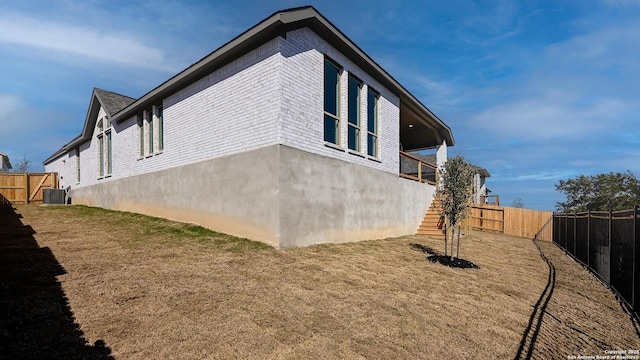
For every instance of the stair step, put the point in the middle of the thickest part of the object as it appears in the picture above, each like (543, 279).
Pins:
(432, 224)
(439, 230)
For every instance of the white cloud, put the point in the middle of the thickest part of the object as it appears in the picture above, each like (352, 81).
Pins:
(581, 87)
(486, 25)
(8, 105)
(103, 45)
(613, 46)
(548, 117)
(538, 176)
(21, 130)
(437, 94)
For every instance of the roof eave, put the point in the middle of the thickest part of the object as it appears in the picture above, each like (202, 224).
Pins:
(243, 43)
(77, 141)
(277, 25)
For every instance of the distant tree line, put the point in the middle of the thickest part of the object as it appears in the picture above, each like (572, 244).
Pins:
(602, 192)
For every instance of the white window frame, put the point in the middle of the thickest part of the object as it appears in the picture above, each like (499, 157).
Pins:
(150, 123)
(350, 125)
(150, 132)
(373, 133)
(141, 147)
(100, 156)
(105, 147)
(160, 115)
(77, 152)
(109, 152)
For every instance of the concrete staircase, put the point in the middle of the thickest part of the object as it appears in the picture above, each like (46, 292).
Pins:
(433, 223)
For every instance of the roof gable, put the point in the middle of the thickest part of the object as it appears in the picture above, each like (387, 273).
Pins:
(111, 102)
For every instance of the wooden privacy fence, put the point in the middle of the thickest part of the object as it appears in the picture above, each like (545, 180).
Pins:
(511, 221)
(25, 188)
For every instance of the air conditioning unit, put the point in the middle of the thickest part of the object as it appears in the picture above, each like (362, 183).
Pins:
(53, 196)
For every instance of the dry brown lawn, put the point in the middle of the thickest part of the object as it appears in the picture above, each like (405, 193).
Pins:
(136, 287)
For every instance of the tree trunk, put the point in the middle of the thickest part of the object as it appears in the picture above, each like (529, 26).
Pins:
(445, 244)
(458, 250)
(453, 237)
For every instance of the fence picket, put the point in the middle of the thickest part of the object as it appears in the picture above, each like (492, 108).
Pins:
(24, 188)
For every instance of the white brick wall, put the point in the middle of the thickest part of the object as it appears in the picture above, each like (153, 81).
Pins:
(302, 118)
(232, 110)
(63, 166)
(272, 95)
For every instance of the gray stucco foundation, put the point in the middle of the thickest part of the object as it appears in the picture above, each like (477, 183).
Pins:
(277, 194)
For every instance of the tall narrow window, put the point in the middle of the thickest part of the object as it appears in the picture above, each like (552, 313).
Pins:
(372, 123)
(77, 165)
(104, 148)
(140, 136)
(331, 102)
(353, 131)
(150, 134)
(160, 128)
(108, 146)
(101, 156)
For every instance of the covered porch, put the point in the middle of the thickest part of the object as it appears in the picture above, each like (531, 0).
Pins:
(423, 143)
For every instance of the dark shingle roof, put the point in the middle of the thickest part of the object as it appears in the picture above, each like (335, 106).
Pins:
(113, 102)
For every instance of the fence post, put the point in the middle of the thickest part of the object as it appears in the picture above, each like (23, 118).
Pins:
(610, 223)
(636, 253)
(566, 231)
(26, 188)
(588, 238)
(575, 234)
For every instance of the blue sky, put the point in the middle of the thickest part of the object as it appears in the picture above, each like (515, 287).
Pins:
(534, 91)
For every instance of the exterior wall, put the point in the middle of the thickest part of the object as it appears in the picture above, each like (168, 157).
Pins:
(235, 194)
(272, 95)
(479, 188)
(328, 200)
(4, 163)
(62, 165)
(279, 195)
(234, 109)
(244, 153)
(303, 103)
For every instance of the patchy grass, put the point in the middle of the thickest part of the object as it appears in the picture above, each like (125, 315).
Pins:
(152, 288)
(140, 230)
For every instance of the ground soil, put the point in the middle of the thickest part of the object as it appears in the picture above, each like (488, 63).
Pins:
(92, 284)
